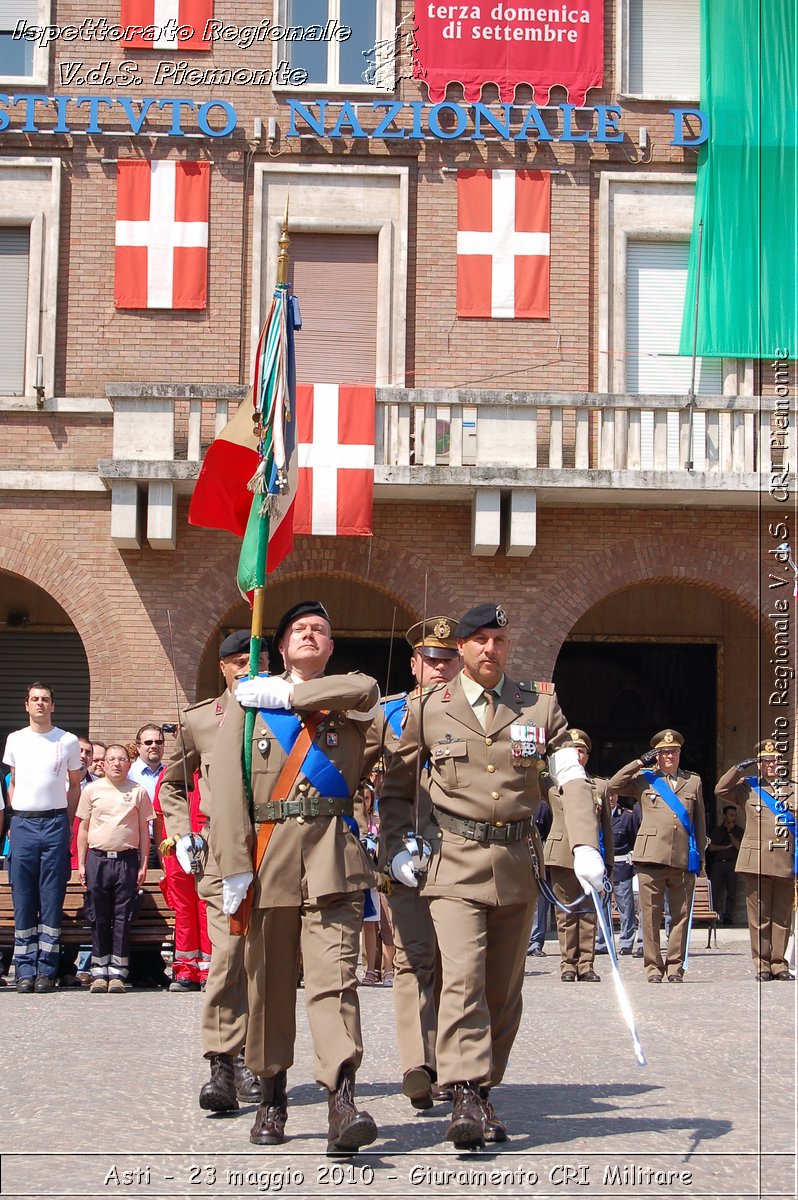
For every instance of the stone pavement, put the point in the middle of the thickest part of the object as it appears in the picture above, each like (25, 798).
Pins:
(100, 1097)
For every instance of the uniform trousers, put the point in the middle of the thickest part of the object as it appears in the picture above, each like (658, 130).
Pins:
(415, 967)
(576, 931)
(111, 885)
(328, 934)
(483, 955)
(192, 943)
(39, 868)
(224, 1011)
(768, 902)
(656, 882)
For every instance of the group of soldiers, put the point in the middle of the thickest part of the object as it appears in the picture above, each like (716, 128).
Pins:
(467, 756)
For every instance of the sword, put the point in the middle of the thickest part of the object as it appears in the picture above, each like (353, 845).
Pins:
(620, 990)
(686, 962)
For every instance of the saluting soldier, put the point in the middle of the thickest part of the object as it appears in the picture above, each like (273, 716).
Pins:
(482, 735)
(224, 1011)
(434, 661)
(669, 847)
(576, 927)
(310, 869)
(767, 856)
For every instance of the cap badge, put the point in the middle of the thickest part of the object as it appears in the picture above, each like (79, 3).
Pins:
(501, 616)
(574, 735)
(442, 629)
(668, 737)
(770, 747)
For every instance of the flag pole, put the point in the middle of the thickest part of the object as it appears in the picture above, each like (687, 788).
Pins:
(691, 393)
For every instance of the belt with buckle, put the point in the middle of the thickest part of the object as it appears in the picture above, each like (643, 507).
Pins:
(483, 831)
(38, 816)
(308, 806)
(113, 853)
(623, 858)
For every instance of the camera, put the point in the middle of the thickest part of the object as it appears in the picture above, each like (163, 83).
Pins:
(167, 727)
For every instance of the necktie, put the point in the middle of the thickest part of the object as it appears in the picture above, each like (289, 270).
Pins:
(489, 709)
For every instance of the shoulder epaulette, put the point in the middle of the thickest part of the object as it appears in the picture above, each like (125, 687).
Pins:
(391, 699)
(541, 686)
(201, 704)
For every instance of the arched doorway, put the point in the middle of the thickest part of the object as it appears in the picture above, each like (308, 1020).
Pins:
(664, 654)
(39, 642)
(362, 618)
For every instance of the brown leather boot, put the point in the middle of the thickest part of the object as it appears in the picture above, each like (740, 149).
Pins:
(272, 1114)
(493, 1128)
(465, 1128)
(247, 1083)
(349, 1129)
(218, 1094)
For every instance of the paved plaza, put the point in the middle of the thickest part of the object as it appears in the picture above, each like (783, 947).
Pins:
(100, 1097)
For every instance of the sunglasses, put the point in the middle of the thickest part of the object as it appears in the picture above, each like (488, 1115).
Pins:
(152, 742)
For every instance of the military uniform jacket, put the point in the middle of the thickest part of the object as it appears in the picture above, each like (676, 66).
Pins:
(395, 819)
(472, 775)
(200, 725)
(558, 852)
(304, 860)
(662, 839)
(760, 849)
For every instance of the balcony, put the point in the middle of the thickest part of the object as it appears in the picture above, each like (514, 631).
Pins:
(478, 446)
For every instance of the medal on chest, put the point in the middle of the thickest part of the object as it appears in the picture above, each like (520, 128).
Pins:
(527, 742)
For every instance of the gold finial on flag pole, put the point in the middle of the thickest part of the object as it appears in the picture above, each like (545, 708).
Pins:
(285, 244)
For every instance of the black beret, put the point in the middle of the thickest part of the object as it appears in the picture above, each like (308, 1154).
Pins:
(304, 608)
(235, 643)
(483, 616)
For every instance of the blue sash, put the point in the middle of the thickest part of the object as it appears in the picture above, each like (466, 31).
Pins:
(673, 802)
(317, 768)
(783, 816)
(394, 711)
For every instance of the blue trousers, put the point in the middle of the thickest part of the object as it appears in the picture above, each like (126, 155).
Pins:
(625, 903)
(39, 869)
(540, 928)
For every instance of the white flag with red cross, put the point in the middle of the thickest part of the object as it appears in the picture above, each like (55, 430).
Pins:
(335, 455)
(503, 243)
(168, 24)
(162, 217)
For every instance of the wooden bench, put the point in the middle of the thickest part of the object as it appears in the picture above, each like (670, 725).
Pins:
(153, 921)
(703, 912)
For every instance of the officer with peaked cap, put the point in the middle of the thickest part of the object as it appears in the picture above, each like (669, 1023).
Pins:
(669, 848)
(576, 926)
(434, 660)
(224, 1010)
(310, 870)
(767, 854)
(483, 735)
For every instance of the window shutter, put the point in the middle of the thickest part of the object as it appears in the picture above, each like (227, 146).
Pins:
(14, 259)
(13, 11)
(55, 658)
(335, 281)
(664, 41)
(656, 279)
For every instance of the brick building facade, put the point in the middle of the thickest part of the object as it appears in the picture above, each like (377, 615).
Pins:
(594, 503)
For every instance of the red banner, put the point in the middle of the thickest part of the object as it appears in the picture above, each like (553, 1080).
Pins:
(505, 44)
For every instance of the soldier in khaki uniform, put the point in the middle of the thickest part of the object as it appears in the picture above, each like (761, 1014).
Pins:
(766, 858)
(663, 849)
(224, 1011)
(309, 884)
(434, 660)
(576, 929)
(482, 734)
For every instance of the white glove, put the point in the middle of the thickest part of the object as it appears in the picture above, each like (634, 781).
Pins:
(401, 868)
(186, 848)
(234, 889)
(265, 691)
(589, 868)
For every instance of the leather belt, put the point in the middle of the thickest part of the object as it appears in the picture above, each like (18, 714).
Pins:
(623, 858)
(38, 816)
(114, 853)
(483, 831)
(308, 806)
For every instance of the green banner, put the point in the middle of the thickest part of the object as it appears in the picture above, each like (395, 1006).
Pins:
(747, 184)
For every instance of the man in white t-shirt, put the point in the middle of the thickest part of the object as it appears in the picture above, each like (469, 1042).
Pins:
(44, 793)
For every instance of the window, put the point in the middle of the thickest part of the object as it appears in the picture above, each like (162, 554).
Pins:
(29, 209)
(21, 60)
(334, 276)
(14, 273)
(656, 277)
(361, 61)
(659, 48)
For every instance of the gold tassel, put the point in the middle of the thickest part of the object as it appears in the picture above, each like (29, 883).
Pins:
(257, 483)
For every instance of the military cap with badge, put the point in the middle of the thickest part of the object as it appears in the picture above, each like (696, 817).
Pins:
(436, 637)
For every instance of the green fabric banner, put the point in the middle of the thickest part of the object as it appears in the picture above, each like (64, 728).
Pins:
(747, 184)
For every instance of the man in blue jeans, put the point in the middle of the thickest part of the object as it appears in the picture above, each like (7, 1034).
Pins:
(44, 792)
(625, 825)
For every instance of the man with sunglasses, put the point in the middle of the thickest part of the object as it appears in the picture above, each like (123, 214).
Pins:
(148, 768)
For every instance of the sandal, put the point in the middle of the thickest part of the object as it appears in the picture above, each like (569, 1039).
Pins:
(387, 979)
(370, 979)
